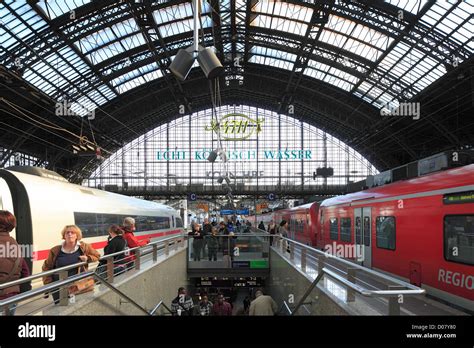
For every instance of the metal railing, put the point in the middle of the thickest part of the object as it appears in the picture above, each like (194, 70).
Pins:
(348, 273)
(139, 253)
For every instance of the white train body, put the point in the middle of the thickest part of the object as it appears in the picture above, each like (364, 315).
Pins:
(43, 206)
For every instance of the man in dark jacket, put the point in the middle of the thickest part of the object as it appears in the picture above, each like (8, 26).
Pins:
(206, 231)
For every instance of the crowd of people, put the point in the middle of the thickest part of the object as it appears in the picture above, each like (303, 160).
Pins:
(70, 251)
(183, 305)
(207, 239)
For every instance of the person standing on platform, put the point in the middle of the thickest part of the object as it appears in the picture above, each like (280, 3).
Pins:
(206, 231)
(238, 226)
(129, 228)
(115, 243)
(71, 251)
(221, 307)
(284, 232)
(182, 305)
(272, 228)
(12, 267)
(212, 245)
(132, 241)
(261, 226)
(197, 243)
(262, 305)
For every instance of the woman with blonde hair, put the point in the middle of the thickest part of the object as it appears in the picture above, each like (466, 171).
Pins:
(72, 250)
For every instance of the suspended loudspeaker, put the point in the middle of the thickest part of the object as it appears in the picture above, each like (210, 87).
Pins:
(182, 64)
(210, 64)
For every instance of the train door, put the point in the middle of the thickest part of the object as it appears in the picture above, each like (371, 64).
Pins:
(293, 226)
(363, 226)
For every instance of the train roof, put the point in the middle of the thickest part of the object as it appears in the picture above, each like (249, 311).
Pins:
(457, 177)
(300, 207)
(34, 178)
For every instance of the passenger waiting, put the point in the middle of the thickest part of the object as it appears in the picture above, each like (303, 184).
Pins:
(71, 251)
(212, 245)
(197, 242)
(132, 242)
(272, 228)
(14, 267)
(129, 227)
(182, 305)
(261, 226)
(206, 231)
(115, 243)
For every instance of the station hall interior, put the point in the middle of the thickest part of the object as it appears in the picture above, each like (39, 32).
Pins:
(237, 158)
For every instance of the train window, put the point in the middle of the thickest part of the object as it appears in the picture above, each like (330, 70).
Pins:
(150, 223)
(385, 232)
(346, 229)
(333, 229)
(459, 238)
(179, 222)
(88, 224)
(93, 225)
(358, 230)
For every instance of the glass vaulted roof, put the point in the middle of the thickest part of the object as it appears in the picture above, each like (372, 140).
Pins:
(90, 54)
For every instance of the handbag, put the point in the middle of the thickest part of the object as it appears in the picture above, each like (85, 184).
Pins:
(81, 286)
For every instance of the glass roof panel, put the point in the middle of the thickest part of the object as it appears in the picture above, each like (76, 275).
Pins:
(273, 53)
(126, 86)
(57, 8)
(15, 25)
(296, 12)
(281, 24)
(172, 13)
(268, 61)
(413, 6)
(153, 75)
(340, 24)
(183, 26)
(82, 106)
(104, 36)
(117, 47)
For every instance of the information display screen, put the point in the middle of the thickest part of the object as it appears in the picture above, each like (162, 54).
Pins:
(459, 198)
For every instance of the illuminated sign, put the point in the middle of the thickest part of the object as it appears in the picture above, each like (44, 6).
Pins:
(236, 155)
(459, 198)
(235, 127)
(235, 212)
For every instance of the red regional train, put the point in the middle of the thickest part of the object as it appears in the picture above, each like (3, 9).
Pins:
(420, 229)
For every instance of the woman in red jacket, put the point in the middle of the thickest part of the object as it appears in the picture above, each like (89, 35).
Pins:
(132, 241)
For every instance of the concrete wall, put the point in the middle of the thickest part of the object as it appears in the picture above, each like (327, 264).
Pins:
(147, 287)
(286, 281)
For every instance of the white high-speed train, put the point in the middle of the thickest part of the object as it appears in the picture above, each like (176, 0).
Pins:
(44, 202)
